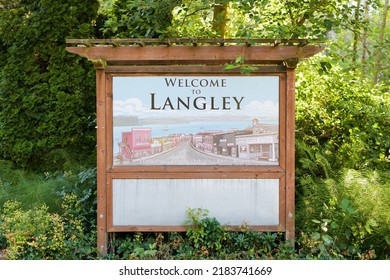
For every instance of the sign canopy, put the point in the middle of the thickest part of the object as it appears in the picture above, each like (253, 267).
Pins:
(187, 51)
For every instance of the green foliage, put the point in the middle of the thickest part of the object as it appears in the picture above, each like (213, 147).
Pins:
(135, 247)
(138, 18)
(193, 19)
(342, 154)
(346, 216)
(239, 62)
(49, 188)
(262, 19)
(83, 186)
(28, 188)
(30, 229)
(32, 234)
(79, 228)
(47, 123)
(63, 202)
(205, 238)
(338, 233)
(344, 120)
(46, 94)
(284, 19)
(359, 47)
(205, 233)
(37, 234)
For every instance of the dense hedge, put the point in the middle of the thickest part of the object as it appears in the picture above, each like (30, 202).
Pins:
(47, 99)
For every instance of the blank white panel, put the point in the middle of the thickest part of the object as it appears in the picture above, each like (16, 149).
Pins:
(164, 202)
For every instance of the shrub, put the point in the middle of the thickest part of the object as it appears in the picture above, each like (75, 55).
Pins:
(80, 231)
(205, 233)
(345, 216)
(29, 229)
(33, 234)
(37, 234)
(343, 119)
(83, 186)
(205, 238)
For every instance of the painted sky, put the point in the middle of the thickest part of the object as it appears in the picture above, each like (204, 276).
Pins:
(132, 97)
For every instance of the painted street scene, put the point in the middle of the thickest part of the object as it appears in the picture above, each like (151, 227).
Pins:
(196, 121)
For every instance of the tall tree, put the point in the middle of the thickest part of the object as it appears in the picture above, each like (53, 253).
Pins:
(364, 39)
(379, 50)
(46, 94)
(220, 17)
(264, 19)
(356, 34)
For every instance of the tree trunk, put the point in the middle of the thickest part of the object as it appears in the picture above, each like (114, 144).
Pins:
(220, 17)
(356, 32)
(364, 40)
(378, 52)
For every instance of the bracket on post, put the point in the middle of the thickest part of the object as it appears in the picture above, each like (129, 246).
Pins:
(292, 62)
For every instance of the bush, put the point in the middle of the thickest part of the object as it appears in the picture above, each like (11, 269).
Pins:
(342, 158)
(205, 238)
(33, 234)
(80, 231)
(345, 216)
(29, 229)
(344, 120)
(37, 234)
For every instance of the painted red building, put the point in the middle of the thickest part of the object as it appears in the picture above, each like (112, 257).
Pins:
(136, 143)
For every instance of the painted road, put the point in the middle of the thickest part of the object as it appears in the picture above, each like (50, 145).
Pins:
(185, 154)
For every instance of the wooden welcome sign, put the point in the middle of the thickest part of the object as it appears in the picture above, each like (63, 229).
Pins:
(175, 130)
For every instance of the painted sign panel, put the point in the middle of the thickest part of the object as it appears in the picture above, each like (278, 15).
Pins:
(156, 202)
(195, 120)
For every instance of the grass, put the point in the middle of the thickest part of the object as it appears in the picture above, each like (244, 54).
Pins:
(32, 189)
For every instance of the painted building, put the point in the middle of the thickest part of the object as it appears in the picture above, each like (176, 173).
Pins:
(156, 146)
(262, 143)
(204, 141)
(224, 143)
(136, 143)
(197, 140)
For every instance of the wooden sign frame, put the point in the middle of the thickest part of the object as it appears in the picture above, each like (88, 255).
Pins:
(130, 57)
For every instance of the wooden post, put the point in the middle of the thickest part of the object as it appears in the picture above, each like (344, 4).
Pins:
(290, 160)
(101, 158)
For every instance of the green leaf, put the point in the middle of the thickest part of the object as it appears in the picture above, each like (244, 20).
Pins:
(230, 66)
(139, 250)
(334, 225)
(239, 60)
(345, 203)
(150, 252)
(327, 239)
(316, 236)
